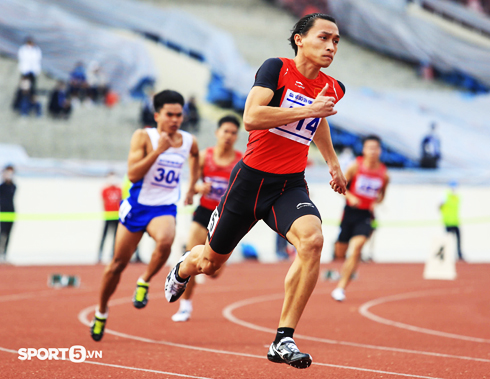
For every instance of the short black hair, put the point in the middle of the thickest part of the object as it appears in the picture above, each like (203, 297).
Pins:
(371, 137)
(167, 97)
(303, 26)
(229, 118)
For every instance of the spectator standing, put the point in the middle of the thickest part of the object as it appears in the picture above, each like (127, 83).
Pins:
(30, 57)
(111, 196)
(450, 214)
(431, 149)
(7, 193)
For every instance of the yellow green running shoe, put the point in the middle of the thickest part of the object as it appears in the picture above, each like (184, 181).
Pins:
(140, 298)
(97, 328)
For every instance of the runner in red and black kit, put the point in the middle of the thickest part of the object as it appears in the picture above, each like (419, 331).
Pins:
(368, 179)
(285, 110)
(216, 164)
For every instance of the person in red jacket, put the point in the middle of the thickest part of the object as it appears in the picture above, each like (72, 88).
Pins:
(285, 110)
(216, 164)
(368, 179)
(111, 196)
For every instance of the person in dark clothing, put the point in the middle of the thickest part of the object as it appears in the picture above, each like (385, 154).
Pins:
(59, 102)
(191, 115)
(7, 192)
(147, 115)
(78, 82)
(431, 149)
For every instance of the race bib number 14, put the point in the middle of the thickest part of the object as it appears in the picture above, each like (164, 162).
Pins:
(301, 131)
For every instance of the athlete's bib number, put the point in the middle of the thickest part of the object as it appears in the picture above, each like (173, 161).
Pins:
(168, 177)
(213, 221)
(301, 131)
(311, 126)
(368, 186)
(218, 188)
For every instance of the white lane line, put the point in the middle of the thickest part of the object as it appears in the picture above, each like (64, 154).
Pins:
(25, 295)
(364, 310)
(82, 317)
(377, 371)
(9, 350)
(146, 370)
(124, 367)
(30, 295)
(228, 314)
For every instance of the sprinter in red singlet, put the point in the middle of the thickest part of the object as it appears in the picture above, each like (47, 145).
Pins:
(285, 110)
(367, 180)
(216, 164)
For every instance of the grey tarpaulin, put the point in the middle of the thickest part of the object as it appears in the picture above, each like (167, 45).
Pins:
(66, 39)
(397, 32)
(188, 32)
(403, 117)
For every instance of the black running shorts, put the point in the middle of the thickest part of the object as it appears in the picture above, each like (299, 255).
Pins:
(355, 222)
(252, 195)
(202, 215)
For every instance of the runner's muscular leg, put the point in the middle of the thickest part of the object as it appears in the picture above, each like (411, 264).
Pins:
(306, 236)
(202, 260)
(197, 236)
(350, 265)
(340, 249)
(126, 243)
(162, 230)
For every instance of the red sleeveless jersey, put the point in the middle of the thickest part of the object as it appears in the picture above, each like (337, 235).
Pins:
(284, 149)
(366, 184)
(218, 176)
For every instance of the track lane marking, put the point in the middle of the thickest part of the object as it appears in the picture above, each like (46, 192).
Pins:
(228, 314)
(35, 294)
(83, 318)
(364, 311)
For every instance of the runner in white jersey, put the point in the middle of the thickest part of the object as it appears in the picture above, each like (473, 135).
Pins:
(155, 162)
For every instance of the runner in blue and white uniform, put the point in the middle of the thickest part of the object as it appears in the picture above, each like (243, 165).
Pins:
(155, 162)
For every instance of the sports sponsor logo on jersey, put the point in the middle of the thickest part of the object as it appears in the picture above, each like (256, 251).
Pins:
(299, 84)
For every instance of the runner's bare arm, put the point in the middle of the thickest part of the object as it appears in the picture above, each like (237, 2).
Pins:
(201, 187)
(258, 115)
(323, 141)
(139, 160)
(382, 192)
(194, 171)
(349, 175)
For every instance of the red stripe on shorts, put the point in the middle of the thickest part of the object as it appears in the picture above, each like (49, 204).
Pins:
(257, 198)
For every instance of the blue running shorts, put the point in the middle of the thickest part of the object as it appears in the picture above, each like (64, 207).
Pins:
(136, 217)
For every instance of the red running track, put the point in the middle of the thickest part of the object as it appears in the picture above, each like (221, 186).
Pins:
(393, 324)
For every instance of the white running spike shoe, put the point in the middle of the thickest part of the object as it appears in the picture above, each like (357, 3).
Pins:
(173, 287)
(338, 294)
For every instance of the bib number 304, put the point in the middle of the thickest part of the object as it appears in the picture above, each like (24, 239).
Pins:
(170, 176)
